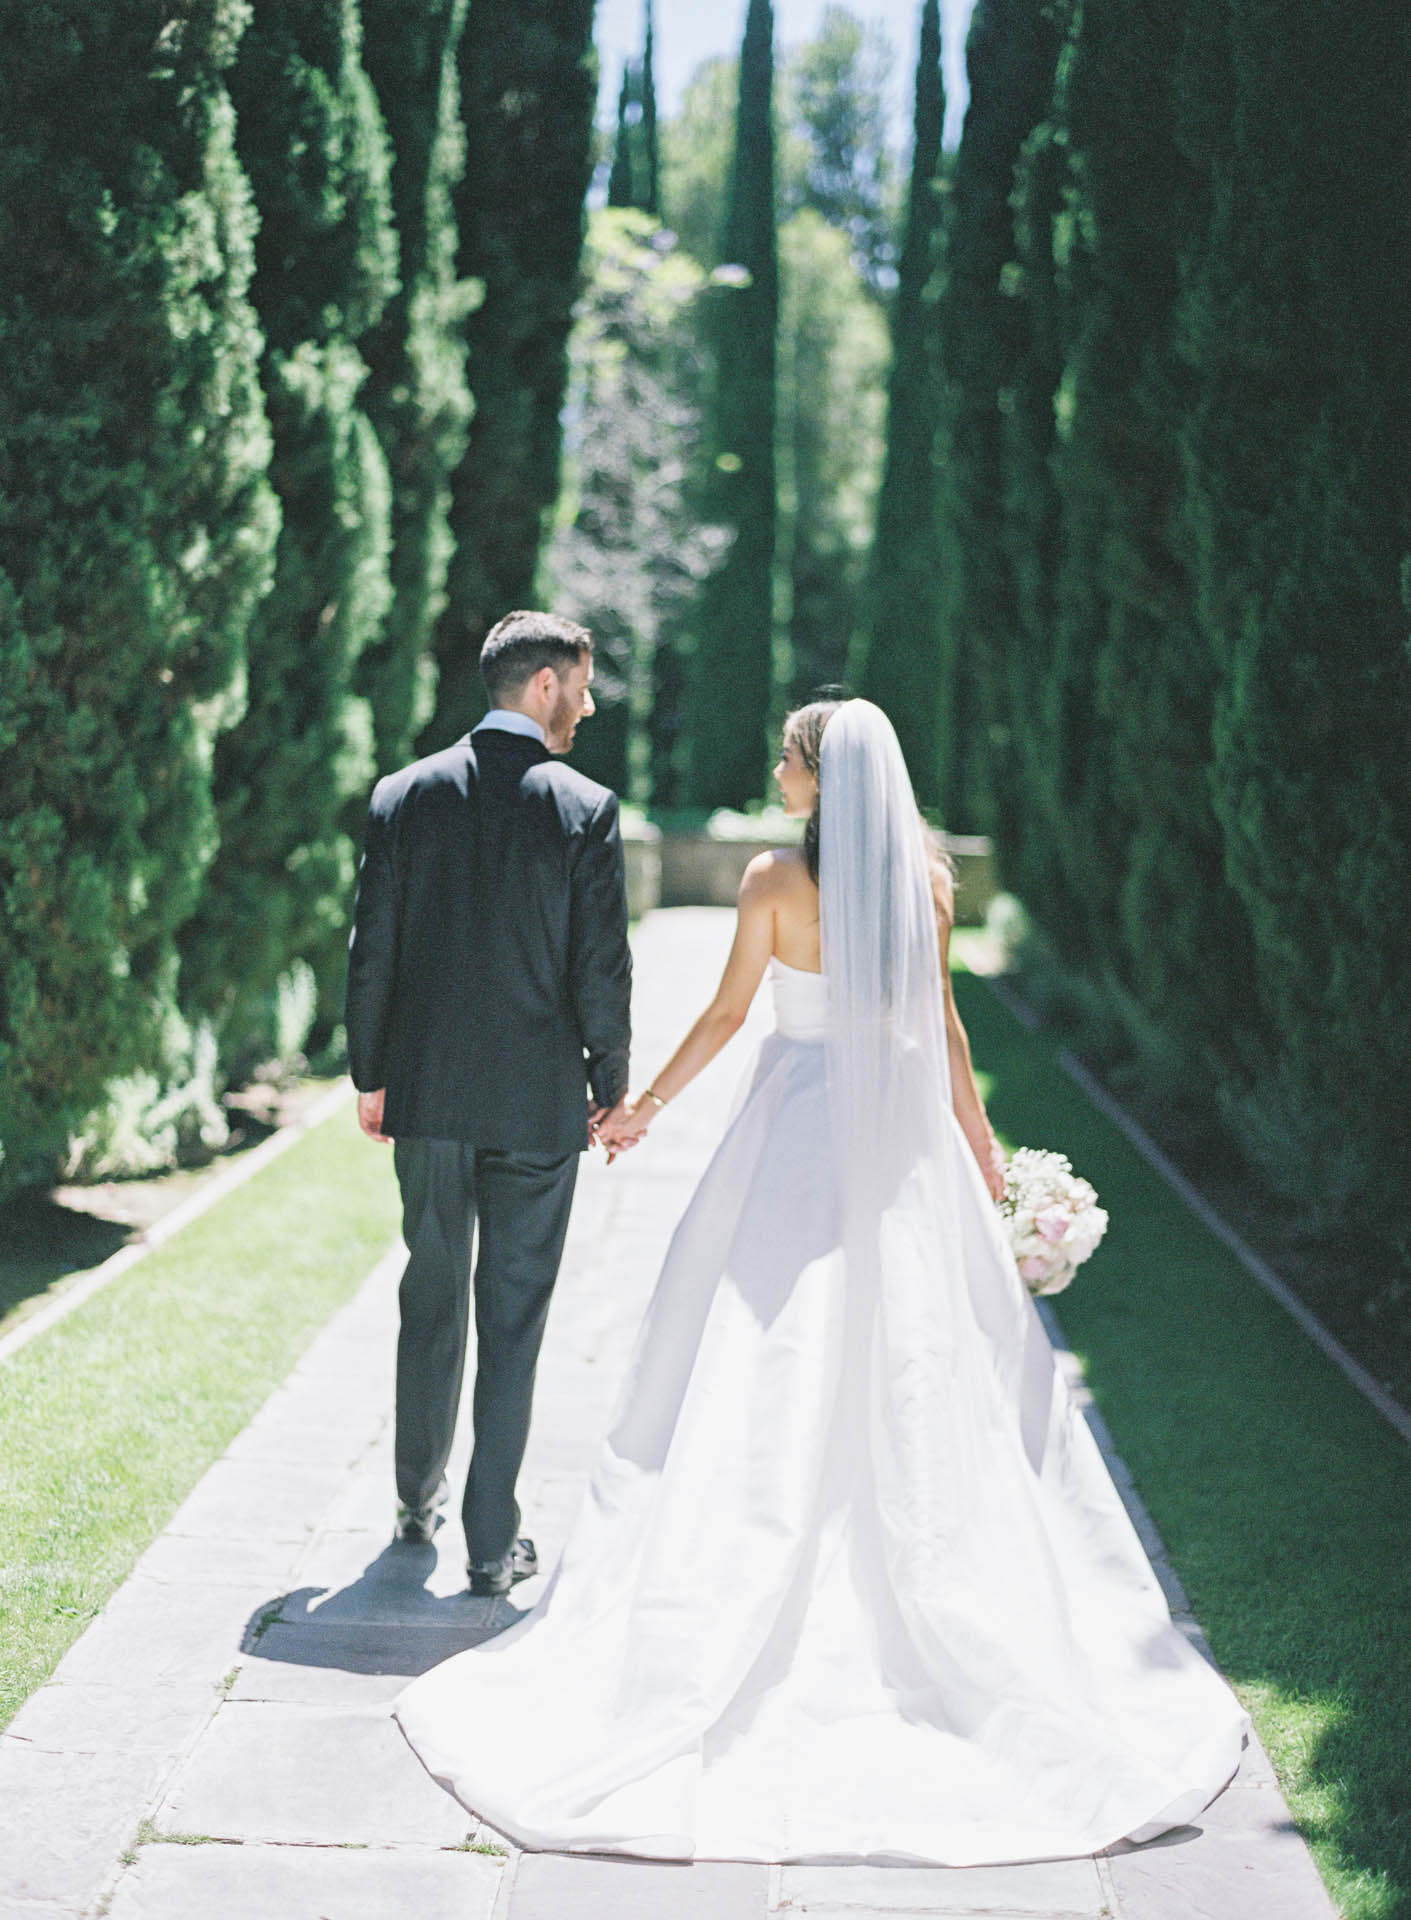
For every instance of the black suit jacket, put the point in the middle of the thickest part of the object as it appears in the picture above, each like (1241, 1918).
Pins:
(489, 978)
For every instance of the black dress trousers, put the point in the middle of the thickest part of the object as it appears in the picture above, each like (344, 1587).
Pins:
(521, 1204)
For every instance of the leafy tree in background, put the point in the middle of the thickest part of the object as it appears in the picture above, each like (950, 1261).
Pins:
(1298, 515)
(416, 394)
(831, 150)
(1011, 56)
(900, 664)
(312, 141)
(629, 554)
(732, 671)
(528, 87)
(135, 536)
(833, 354)
(835, 106)
(696, 149)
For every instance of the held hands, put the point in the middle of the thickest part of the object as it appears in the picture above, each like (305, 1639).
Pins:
(622, 1126)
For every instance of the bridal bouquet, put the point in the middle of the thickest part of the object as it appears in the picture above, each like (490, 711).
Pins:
(1051, 1216)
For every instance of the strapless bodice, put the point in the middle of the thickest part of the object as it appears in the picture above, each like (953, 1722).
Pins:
(800, 1001)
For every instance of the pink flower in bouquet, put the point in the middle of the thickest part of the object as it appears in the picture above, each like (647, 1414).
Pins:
(1052, 1223)
(1051, 1218)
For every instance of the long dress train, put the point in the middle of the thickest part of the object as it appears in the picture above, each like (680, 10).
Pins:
(851, 1580)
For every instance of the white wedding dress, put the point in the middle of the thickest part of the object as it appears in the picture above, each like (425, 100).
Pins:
(851, 1580)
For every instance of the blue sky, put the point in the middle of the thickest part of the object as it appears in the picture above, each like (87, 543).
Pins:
(689, 31)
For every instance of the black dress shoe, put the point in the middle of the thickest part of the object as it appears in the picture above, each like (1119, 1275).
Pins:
(416, 1525)
(491, 1577)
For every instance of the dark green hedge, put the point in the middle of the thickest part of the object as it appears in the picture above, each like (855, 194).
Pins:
(314, 147)
(1177, 522)
(136, 527)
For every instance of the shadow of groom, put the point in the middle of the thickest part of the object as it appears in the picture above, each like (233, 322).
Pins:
(387, 1621)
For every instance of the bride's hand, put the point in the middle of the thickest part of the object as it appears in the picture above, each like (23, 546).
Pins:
(640, 1111)
(625, 1125)
(991, 1157)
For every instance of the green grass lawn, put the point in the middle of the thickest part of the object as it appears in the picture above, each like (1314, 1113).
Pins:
(1283, 1498)
(110, 1418)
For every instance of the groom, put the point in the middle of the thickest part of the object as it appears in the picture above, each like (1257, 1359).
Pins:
(488, 996)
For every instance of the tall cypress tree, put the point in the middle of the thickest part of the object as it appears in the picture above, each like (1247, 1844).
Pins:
(900, 664)
(416, 395)
(1164, 904)
(1011, 56)
(622, 190)
(1033, 521)
(136, 531)
(528, 88)
(313, 144)
(1080, 805)
(650, 150)
(732, 671)
(1298, 513)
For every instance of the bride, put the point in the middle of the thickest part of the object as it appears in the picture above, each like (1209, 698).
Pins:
(851, 1581)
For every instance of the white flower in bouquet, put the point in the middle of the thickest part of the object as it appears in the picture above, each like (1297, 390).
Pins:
(1051, 1217)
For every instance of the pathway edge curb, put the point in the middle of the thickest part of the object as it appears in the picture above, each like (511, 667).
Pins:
(170, 1224)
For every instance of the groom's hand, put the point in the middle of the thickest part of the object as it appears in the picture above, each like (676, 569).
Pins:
(607, 1126)
(370, 1115)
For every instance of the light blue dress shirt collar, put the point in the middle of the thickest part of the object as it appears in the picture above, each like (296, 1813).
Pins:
(509, 720)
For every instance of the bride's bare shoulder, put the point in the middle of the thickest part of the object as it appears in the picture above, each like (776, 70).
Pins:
(779, 871)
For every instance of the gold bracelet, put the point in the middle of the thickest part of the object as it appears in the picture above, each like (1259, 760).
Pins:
(650, 1093)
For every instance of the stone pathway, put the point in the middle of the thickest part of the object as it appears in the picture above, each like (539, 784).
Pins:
(218, 1744)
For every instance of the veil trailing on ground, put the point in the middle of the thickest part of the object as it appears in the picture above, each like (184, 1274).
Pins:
(957, 1389)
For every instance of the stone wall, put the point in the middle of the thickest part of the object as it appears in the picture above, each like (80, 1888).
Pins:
(695, 870)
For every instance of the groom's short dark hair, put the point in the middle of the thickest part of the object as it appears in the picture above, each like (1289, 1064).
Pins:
(523, 644)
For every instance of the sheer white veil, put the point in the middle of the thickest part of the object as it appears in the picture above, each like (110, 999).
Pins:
(943, 1376)
(881, 953)
(888, 1064)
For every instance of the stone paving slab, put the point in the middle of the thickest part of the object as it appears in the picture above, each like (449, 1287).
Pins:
(256, 1565)
(1038, 1890)
(1243, 1859)
(62, 1718)
(264, 1501)
(65, 1816)
(239, 1684)
(550, 1886)
(306, 1883)
(309, 1776)
(154, 1633)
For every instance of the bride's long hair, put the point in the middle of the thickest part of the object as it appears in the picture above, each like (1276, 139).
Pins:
(803, 728)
